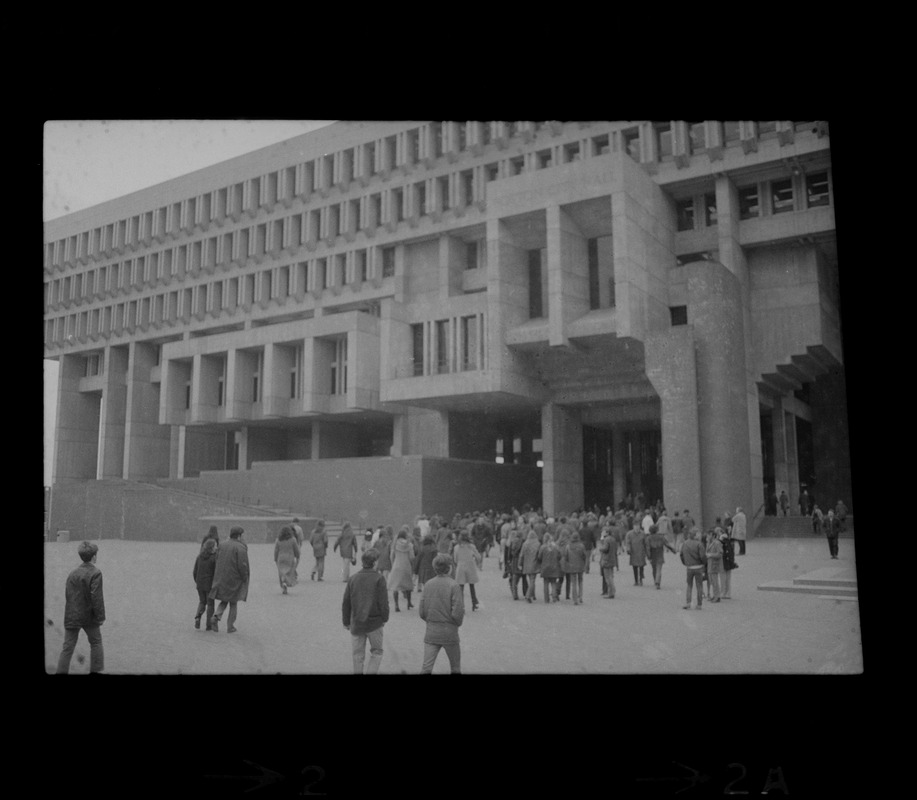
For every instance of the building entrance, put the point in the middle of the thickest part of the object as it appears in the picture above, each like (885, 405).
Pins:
(620, 462)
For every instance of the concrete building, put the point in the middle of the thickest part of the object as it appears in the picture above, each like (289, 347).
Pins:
(433, 316)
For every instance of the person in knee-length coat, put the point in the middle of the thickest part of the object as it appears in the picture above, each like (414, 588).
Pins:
(608, 561)
(739, 529)
(230, 579)
(384, 548)
(635, 544)
(346, 544)
(549, 557)
(573, 563)
(656, 545)
(401, 578)
(528, 563)
(467, 560)
(423, 564)
(204, 567)
(319, 542)
(512, 564)
(286, 557)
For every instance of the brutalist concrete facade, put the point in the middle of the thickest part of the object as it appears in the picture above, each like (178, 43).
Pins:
(628, 306)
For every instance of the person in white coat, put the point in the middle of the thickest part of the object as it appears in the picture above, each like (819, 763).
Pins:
(739, 527)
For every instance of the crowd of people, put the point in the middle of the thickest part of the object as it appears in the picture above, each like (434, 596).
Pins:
(437, 559)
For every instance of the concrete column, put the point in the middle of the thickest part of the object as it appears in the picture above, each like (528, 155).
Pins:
(715, 314)
(568, 273)
(671, 368)
(77, 443)
(113, 414)
(146, 442)
(562, 474)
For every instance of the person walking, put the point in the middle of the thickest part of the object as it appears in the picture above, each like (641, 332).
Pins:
(832, 528)
(589, 537)
(513, 566)
(423, 563)
(384, 548)
(286, 557)
(467, 559)
(528, 563)
(84, 609)
(664, 526)
(211, 534)
(442, 607)
(635, 544)
(608, 560)
(297, 532)
(573, 563)
(714, 564)
(656, 545)
(401, 578)
(549, 556)
(678, 536)
(729, 564)
(694, 557)
(230, 579)
(817, 519)
(739, 528)
(346, 545)
(784, 502)
(319, 542)
(204, 567)
(365, 611)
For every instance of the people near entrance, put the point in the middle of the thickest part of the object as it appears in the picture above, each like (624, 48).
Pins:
(656, 545)
(589, 536)
(346, 545)
(442, 607)
(467, 561)
(647, 522)
(549, 556)
(784, 502)
(714, 554)
(84, 609)
(204, 567)
(729, 564)
(230, 579)
(804, 502)
(513, 566)
(635, 545)
(365, 611)
(319, 542)
(840, 511)
(528, 563)
(664, 526)
(297, 532)
(832, 529)
(286, 557)
(401, 578)
(608, 561)
(384, 549)
(739, 529)
(573, 563)
(423, 563)
(694, 557)
(212, 534)
(817, 518)
(687, 522)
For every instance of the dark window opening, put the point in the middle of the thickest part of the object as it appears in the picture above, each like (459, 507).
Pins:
(417, 348)
(731, 132)
(471, 255)
(630, 140)
(710, 208)
(388, 262)
(817, 190)
(685, 209)
(536, 307)
(679, 315)
(592, 247)
(748, 202)
(663, 132)
(601, 145)
(782, 196)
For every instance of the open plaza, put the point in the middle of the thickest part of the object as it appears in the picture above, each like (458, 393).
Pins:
(150, 602)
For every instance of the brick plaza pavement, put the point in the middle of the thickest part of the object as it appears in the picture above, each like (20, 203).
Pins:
(151, 600)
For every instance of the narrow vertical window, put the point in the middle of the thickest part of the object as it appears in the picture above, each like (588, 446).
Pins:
(592, 249)
(817, 189)
(536, 307)
(710, 208)
(388, 262)
(748, 202)
(685, 209)
(442, 345)
(417, 348)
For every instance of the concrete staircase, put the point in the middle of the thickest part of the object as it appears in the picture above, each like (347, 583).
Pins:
(794, 527)
(831, 583)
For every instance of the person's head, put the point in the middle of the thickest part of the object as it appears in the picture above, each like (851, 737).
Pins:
(575, 536)
(738, 509)
(689, 534)
(548, 539)
(442, 564)
(320, 525)
(296, 520)
(654, 528)
(403, 533)
(236, 533)
(465, 537)
(427, 539)
(369, 558)
(88, 552)
(346, 527)
(209, 547)
(213, 533)
(286, 532)
(532, 535)
(830, 513)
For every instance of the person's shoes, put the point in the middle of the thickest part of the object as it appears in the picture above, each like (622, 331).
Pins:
(197, 623)
(475, 607)
(528, 599)
(715, 600)
(230, 630)
(657, 586)
(312, 577)
(604, 595)
(687, 607)
(321, 579)
(215, 625)
(284, 589)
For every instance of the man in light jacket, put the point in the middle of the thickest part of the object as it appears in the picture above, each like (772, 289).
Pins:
(694, 557)
(442, 607)
(739, 527)
(84, 609)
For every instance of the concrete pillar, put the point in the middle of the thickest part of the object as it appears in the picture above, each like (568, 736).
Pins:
(146, 442)
(113, 414)
(715, 314)
(568, 273)
(671, 368)
(562, 474)
(77, 443)
(243, 449)
(451, 266)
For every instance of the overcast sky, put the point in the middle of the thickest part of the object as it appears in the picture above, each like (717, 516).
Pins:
(86, 162)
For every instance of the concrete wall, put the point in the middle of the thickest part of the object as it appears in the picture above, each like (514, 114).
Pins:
(452, 486)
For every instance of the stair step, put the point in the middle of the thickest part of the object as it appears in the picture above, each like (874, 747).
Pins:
(792, 586)
(846, 597)
(846, 582)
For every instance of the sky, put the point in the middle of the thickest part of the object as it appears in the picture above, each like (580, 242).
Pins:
(86, 162)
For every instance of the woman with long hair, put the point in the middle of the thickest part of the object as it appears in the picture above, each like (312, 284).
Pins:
(467, 560)
(401, 578)
(384, 547)
(286, 557)
(211, 534)
(528, 563)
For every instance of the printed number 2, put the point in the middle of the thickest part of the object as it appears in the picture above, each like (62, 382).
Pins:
(728, 789)
(774, 780)
(307, 787)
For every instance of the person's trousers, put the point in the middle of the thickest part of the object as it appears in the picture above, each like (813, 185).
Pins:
(550, 589)
(567, 585)
(679, 539)
(233, 610)
(204, 602)
(319, 568)
(609, 574)
(726, 583)
(741, 546)
(695, 578)
(474, 597)
(638, 574)
(96, 652)
(514, 584)
(657, 574)
(832, 545)
(713, 581)
(359, 641)
(431, 651)
(588, 557)
(345, 569)
(530, 592)
(576, 580)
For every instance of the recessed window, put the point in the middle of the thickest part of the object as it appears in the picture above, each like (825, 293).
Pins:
(601, 145)
(536, 289)
(543, 159)
(767, 127)
(817, 190)
(388, 262)
(679, 315)
(571, 152)
(442, 345)
(417, 348)
(782, 196)
(697, 135)
(630, 142)
(731, 132)
(471, 255)
(663, 132)
(685, 213)
(710, 208)
(491, 171)
(687, 258)
(516, 165)
(748, 202)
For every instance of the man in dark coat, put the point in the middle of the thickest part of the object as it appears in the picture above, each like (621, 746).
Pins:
(365, 611)
(442, 607)
(319, 542)
(230, 579)
(84, 609)
(831, 527)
